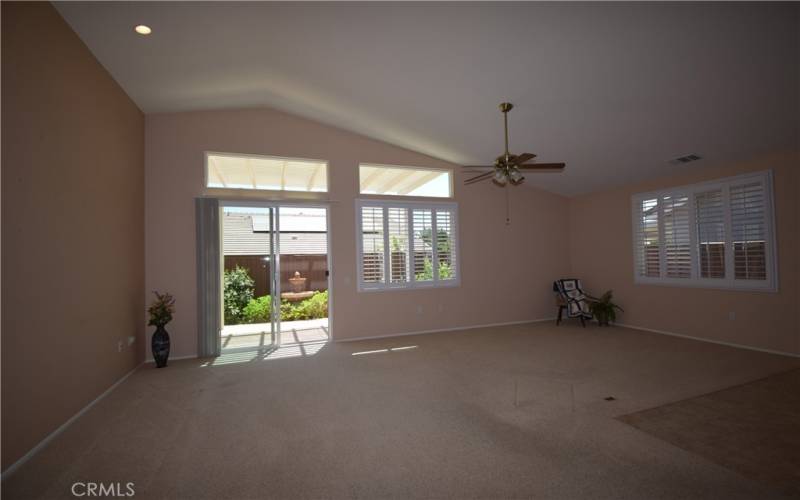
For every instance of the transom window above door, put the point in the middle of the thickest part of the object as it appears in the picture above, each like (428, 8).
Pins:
(241, 171)
(717, 234)
(405, 181)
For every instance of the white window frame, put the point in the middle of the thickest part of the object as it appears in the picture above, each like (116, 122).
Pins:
(449, 171)
(412, 284)
(695, 280)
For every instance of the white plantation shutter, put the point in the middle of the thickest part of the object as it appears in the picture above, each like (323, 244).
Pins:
(677, 247)
(398, 244)
(372, 244)
(422, 224)
(445, 257)
(647, 239)
(406, 245)
(748, 229)
(710, 220)
(717, 234)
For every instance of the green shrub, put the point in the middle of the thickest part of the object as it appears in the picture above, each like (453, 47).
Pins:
(238, 292)
(258, 310)
(314, 307)
(445, 271)
(290, 311)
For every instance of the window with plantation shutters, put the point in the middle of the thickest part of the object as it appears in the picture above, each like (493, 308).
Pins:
(406, 245)
(717, 234)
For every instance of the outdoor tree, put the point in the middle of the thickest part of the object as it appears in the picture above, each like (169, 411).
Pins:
(238, 292)
(442, 242)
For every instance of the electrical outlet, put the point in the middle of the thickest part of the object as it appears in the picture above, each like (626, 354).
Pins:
(119, 346)
(131, 340)
(420, 310)
(441, 308)
(732, 315)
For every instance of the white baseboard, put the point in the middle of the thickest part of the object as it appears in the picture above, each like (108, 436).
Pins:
(439, 330)
(701, 339)
(44, 442)
(172, 358)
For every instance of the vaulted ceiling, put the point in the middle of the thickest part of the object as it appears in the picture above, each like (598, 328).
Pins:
(614, 90)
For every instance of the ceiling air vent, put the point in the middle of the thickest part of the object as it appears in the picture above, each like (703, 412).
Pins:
(685, 159)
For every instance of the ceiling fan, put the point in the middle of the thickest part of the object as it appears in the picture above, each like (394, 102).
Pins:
(507, 167)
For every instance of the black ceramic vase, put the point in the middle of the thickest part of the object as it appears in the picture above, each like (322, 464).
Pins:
(160, 346)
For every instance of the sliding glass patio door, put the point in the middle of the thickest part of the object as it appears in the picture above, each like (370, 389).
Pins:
(250, 287)
(275, 276)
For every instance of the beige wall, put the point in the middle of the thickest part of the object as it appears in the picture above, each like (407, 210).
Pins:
(506, 270)
(601, 253)
(72, 227)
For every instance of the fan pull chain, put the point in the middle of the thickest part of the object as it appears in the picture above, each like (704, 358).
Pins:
(508, 207)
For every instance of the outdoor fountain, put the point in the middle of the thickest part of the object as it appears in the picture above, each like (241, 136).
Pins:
(298, 285)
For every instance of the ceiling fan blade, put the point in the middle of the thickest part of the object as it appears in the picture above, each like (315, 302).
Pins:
(519, 160)
(476, 167)
(479, 178)
(543, 166)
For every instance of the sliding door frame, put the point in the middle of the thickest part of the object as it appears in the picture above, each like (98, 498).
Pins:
(275, 244)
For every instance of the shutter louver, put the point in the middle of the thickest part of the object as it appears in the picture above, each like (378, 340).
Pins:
(372, 244)
(647, 239)
(398, 244)
(710, 220)
(444, 245)
(422, 246)
(677, 243)
(748, 228)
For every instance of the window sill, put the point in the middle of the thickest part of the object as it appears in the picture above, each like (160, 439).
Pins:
(709, 285)
(406, 287)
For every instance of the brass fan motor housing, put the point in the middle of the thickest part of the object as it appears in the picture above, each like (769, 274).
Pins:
(505, 107)
(501, 162)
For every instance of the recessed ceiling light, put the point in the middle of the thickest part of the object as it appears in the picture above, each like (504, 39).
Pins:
(142, 29)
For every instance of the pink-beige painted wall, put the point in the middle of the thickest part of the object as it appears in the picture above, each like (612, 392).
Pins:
(601, 252)
(72, 227)
(506, 271)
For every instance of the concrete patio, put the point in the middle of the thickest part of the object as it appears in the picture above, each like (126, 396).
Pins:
(259, 335)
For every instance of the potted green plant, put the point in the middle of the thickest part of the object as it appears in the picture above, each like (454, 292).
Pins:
(603, 309)
(160, 311)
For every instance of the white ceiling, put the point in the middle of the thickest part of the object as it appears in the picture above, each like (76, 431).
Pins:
(615, 90)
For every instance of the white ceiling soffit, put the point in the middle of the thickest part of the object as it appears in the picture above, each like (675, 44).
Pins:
(614, 90)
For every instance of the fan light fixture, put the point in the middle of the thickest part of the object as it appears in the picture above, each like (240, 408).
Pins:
(508, 167)
(143, 29)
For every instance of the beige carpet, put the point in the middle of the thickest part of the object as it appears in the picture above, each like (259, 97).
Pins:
(512, 412)
(753, 428)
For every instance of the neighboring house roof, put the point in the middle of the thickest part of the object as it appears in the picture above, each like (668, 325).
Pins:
(239, 238)
(293, 222)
